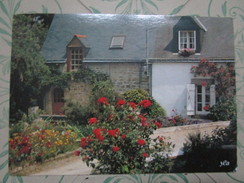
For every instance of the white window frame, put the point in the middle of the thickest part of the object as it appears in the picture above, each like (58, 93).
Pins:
(203, 101)
(187, 39)
(76, 55)
(192, 100)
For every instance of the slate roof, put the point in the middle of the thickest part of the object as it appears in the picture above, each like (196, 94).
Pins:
(147, 36)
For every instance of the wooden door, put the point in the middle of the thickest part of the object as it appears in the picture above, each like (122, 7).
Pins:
(58, 101)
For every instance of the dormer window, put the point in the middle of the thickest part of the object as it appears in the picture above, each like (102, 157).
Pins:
(187, 40)
(76, 58)
(117, 42)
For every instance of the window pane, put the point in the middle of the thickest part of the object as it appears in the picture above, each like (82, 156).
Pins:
(199, 107)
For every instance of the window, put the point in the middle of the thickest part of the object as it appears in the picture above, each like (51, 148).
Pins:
(117, 42)
(202, 98)
(76, 58)
(187, 39)
(198, 97)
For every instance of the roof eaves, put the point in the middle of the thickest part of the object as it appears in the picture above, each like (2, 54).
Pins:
(199, 23)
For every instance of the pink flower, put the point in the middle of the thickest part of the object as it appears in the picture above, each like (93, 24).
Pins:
(204, 83)
(203, 60)
(77, 153)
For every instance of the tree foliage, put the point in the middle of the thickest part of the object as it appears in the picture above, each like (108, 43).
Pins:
(28, 69)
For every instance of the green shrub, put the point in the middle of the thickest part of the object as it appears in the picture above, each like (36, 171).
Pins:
(224, 109)
(205, 152)
(137, 95)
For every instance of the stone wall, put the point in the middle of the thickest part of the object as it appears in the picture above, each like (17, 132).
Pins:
(78, 92)
(125, 76)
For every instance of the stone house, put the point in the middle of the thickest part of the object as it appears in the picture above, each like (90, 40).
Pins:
(139, 51)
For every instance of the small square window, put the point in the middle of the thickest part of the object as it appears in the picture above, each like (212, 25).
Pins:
(117, 42)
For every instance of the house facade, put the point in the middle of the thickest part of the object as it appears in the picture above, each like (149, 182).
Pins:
(150, 52)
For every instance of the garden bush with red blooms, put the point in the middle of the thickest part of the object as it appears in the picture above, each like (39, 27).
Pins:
(120, 141)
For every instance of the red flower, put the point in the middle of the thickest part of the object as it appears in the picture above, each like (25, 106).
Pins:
(85, 158)
(92, 120)
(204, 83)
(123, 136)
(145, 155)
(158, 124)
(102, 100)
(145, 103)
(141, 142)
(206, 108)
(145, 124)
(116, 148)
(48, 144)
(97, 133)
(112, 133)
(77, 153)
(120, 103)
(143, 119)
(83, 142)
(160, 138)
(132, 105)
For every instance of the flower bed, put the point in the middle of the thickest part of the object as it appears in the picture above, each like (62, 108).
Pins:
(40, 144)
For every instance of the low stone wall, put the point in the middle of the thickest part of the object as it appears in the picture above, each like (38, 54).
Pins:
(178, 134)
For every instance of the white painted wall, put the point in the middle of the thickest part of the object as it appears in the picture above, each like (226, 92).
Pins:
(169, 82)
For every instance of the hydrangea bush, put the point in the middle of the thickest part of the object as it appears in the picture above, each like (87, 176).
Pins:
(120, 140)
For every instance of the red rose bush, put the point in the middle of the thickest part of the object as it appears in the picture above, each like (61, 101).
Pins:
(120, 141)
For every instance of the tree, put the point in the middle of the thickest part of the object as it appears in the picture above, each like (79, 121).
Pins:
(28, 69)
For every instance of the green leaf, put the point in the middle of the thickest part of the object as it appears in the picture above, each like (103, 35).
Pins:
(60, 9)
(44, 9)
(4, 22)
(94, 10)
(118, 180)
(182, 177)
(5, 145)
(152, 3)
(177, 9)
(61, 179)
(3, 153)
(5, 178)
(173, 178)
(224, 8)
(2, 6)
(17, 7)
(107, 180)
(20, 179)
(2, 31)
(3, 164)
(9, 43)
(120, 4)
